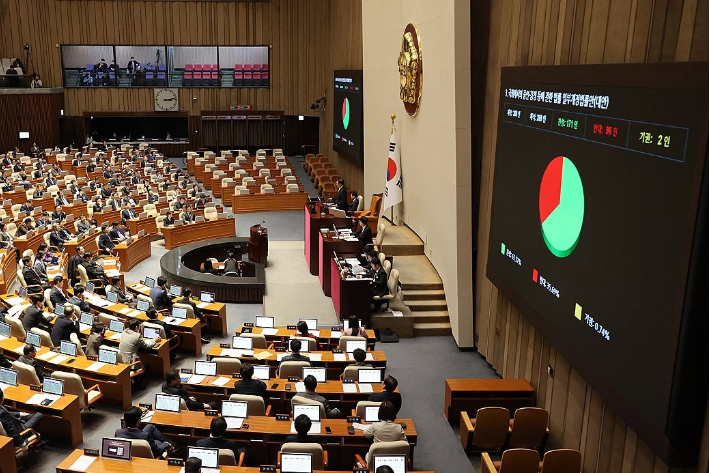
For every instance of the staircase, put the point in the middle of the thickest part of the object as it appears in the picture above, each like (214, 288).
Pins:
(422, 289)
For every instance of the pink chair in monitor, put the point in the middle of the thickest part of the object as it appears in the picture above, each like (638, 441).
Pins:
(197, 75)
(187, 74)
(265, 74)
(256, 75)
(238, 75)
(247, 74)
(215, 74)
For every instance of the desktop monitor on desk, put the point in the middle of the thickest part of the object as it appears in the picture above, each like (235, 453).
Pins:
(242, 343)
(296, 463)
(207, 297)
(235, 409)
(151, 332)
(318, 373)
(108, 356)
(311, 323)
(398, 463)
(264, 322)
(371, 376)
(167, 402)
(312, 411)
(67, 348)
(176, 291)
(209, 456)
(116, 449)
(262, 372)
(116, 326)
(372, 414)
(8, 376)
(149, 282)
(142, 305)
(33, 339)
(206, 368)
(53, 386)
(4, 330)
(112, 296)
(352, 345)
(179, 313)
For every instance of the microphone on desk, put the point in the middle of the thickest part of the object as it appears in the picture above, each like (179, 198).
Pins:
(336, 230)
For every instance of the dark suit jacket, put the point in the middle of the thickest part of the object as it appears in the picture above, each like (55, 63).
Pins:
(212, 442)
(160, 297)
(341, 199)
(31, 278)
(365, 236)
(34, 318)
(63, 327)
(254, 387)
(57, 296)
(12, 425)
(105, 242)
(182, 392)
(394, 398)
(302, 438)
(140, 435)
(83, 305)
(127, 214)
(55, 239)
(379, 285)
(117, 234)
(166, 327)
(60, 216)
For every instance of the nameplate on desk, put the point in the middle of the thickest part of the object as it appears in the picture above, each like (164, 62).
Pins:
(348, 381)
(352, 419)
(236, 375)
(335, 328)
(175, 462)
(360, 470)
(291, 327)
(92, 452)
(248, 324)
(267, 468)
(247, 330)
(293, 379)
(145, 406)
(280, 349)
(225, 345)
(337, 350)
(282, 417)
(35, 388)
(211, 412)
(186, 370)
(92, 357)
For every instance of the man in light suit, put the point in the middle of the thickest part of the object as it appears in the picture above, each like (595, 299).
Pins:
(132, 341)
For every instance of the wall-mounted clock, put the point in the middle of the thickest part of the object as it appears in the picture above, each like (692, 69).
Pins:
(410, 70)
(166, 100)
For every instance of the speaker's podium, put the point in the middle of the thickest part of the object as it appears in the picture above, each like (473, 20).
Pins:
(258, 244)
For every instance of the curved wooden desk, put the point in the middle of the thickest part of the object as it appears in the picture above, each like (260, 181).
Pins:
(207, 230)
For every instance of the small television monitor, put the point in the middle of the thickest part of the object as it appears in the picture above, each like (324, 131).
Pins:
(242, 343)
(372, 414)
(150, 332)
(352, 345)
(305, 345)
(176, 291)
(112, 297)
(108, 356)
(369, 376)
(24, 135)
(142, 305)
(296, 463)
(67, 348)
(312, 323)
(264, 322)
(59, 309)
(116, 449)
(90, 287)
(209, 456)
(179, 313)
(8, 376)
(167, 402)
(206, 368)
(207, 297)
(149, 282)
(311, 410)
(4, 330)
(33, 339)
(53, 386)
(117, 326)
(262, 372)
(86, 318)
(318, 373)
(235, 409)
(398, 463)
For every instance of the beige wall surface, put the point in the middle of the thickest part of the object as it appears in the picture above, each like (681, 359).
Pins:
(435, 144)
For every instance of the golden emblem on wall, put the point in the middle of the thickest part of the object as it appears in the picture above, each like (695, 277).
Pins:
(410, 70)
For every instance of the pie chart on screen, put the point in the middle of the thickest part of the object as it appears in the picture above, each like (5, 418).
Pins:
(346, 113)
(561, 205)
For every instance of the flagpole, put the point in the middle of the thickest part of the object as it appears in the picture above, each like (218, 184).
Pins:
(392, 117)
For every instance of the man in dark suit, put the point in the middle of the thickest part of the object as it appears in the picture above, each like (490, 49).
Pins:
(78, 300)
(168, 220)
(388, 393)
(117, 233)
(61, 200)
(132, 418)
(24, 227)
(378, 286)
(363, 233)
(34, 316)
(173, 386)
(159, 295)
(27, 206)
(247, 385)
(57, 295)
(31, 277)
(295, 355)
(218, 427)
(29, 352)
(354, 202)
(105, 242)
(59, 215)
(127, 213)
(341, 198)
(16, 422)
(302, 424)
(132, 65)
(57, 237)
(64, 326)
(51, 180)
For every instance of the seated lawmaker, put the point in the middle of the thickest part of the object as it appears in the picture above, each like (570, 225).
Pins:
(218, 427)
(388, 394)
(132, 419)
(386, 430)
(248, 385)
(209, 268)
(378, 286)
(302, 424)
(106, 245)
(159, 294)
(168, 220)
(295, 355)
(65, 325)
(354, 202)
(173, 385)
(311, 384)
(14, 423)
(363, 233)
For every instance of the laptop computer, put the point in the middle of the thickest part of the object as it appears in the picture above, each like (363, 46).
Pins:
(398, 463)
(142, 305)
(372, 414)
(86, 320)
(67, 348)
(53, 386)
(150, 332)
(242, 343)
(352, 345)
(369, 376)
(112, 297)
(90, 287)
(117, 326)
(312, 323)
(264, 322)
(296, 462)
(167, 402)
(207, 297)
(262, 372)
(8, 376)
(149, 282)
(318, 373)
(108, 356)
(234, 412)
(206, 368)
(22, 292)
(178, 315)
(176, 291)
(116, 449)
(4, 330)
(59, 309)
(33, 339)
(209, 457)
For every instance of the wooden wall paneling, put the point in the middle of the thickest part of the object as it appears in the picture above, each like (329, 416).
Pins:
(699, 50)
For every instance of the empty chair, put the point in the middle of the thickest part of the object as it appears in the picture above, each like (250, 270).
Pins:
(247, 74)
(264, 74)
(291, 368)
(292, 188)
(286, 172)
(264, 172)
(73, 385)
(487, 431)
(267, 189)
(387, 266)
(361, 405)
(45, 338)
(227, 366)
(319, 457)
(17, 330)
(515, 460)
(529, 428)
(562, 461)
(211, 213)
(255, 404)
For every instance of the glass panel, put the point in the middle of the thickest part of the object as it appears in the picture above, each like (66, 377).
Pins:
(88, 66)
